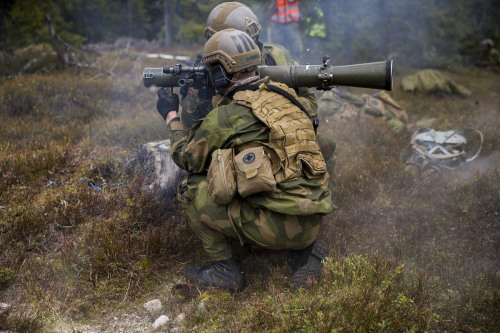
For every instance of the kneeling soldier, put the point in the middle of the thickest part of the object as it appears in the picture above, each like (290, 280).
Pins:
(267, 182)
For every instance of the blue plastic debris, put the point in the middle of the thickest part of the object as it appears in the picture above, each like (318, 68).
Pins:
(91, 166)
(82, 179)
(95, 186)
(120, 184)
(50, 183)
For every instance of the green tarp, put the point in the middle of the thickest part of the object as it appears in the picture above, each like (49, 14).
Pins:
(431, 81)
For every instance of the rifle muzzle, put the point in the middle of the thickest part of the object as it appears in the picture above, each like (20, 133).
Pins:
(156, 77)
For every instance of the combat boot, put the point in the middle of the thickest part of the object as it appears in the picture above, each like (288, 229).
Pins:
(223, 274)
(306, 264)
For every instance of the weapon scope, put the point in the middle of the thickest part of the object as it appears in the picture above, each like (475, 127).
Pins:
(176, 76)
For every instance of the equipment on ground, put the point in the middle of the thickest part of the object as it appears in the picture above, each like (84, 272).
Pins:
(436, 150)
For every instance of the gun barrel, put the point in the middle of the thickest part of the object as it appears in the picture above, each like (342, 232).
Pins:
(376, 75)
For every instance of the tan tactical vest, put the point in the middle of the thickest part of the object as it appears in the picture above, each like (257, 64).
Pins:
(292, 135)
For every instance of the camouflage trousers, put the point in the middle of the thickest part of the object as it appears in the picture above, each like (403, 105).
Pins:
(216, 224)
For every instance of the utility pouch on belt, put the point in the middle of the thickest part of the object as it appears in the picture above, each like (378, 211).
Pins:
(254, 171)
(221, 177)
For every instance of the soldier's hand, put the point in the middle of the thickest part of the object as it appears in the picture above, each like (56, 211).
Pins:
(166, 103)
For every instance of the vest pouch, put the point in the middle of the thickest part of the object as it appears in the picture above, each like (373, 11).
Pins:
(221, 176)
(254, 171)
(372, 106)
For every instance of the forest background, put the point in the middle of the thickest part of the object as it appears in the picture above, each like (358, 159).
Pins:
(423, 33)
(83, 244)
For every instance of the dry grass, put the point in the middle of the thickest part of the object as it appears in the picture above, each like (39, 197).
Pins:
(408, 252)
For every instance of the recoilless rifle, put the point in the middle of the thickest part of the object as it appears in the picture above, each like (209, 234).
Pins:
(375, 75)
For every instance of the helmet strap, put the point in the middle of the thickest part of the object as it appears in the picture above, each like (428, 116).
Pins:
(221, 79)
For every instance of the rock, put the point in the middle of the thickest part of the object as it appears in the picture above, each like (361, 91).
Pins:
(162, 320)
(161, 173)
(153, 306)
(202, 306)
(179, 318)
(5, 308)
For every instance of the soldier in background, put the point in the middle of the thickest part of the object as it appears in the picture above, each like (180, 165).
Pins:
(237, 16)
(246, 134)
(488, 57)
(285, 19)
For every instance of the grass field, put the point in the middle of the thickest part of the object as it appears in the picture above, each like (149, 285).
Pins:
(408, 252)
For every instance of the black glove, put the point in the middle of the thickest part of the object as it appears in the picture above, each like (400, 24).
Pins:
(166, 103)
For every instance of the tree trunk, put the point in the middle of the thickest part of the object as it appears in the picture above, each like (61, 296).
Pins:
(161, 173)
(60, 54)
(168, 23)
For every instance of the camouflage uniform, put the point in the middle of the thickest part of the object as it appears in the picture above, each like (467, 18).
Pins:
(288, 218)
(195, 107)
(344, 107)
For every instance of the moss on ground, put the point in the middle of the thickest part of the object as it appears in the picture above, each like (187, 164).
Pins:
(408, 252)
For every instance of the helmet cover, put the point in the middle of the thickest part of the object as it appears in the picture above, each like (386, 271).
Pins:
(233, 49)
(233, 15)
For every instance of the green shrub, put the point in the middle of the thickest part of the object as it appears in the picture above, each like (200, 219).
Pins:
(355, 294)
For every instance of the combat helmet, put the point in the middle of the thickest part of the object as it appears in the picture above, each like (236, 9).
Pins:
(233, 49)
(227, 54)
(233, 15)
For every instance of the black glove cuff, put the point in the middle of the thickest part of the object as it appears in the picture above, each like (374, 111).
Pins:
(164, 106)
(166, 103)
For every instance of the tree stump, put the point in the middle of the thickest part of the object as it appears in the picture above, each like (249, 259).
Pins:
(162, 175)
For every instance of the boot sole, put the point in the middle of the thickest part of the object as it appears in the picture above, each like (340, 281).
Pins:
(311, 271)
